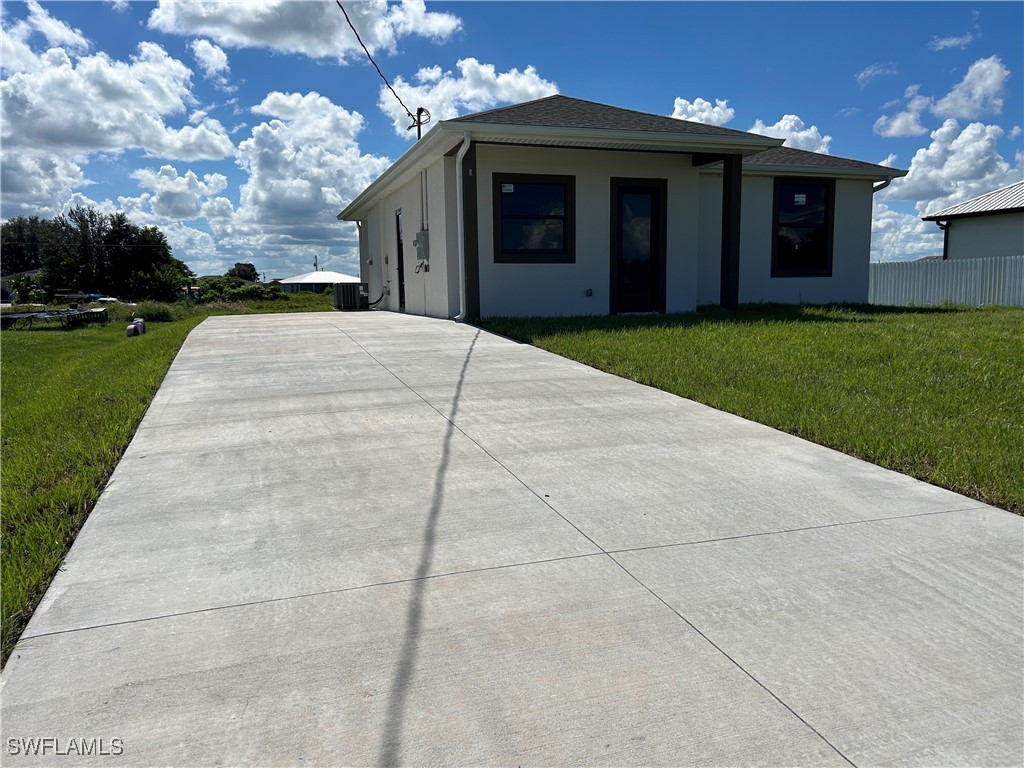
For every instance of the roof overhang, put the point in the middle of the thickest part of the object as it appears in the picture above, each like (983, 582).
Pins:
(602, 138)
(448, 135)
(787, 169)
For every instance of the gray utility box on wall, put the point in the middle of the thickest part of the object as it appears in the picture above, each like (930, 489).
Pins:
(349, 297)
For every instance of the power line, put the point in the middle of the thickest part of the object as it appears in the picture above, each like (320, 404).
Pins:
(417, 120)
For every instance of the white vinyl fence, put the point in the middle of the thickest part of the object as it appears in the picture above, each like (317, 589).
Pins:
(967, 281)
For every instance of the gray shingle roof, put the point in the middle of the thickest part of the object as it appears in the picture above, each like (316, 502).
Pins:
(566, 112)
(805, 159)
(1005, 200)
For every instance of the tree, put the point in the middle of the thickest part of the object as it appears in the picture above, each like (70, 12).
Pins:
(88, 251)
(22, 241)
(245, 271)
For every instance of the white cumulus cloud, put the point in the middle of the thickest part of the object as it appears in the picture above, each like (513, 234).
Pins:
(317, 30)
(178, 197)
(703, 111)
(908, 121)
(897, 236)
(62, 105)
(958, 164)
(100, 104)
(213, 61)
(979, 93)
(16, 52)
(36, 183)
(304, 165)
(446, 94)
(796, 134)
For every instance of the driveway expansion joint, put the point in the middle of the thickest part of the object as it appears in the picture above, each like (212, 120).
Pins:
(786, 531)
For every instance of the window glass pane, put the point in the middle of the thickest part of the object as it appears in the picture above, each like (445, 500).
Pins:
(532, 199)
(801, 204)
(803, 247)
(533, 234)
(636, 226)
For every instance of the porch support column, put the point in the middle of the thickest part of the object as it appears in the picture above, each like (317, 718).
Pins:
(732, 182)
(471, 234)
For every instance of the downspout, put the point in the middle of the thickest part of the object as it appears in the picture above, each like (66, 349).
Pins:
(460, 218)
(880, 187)
(944, 226)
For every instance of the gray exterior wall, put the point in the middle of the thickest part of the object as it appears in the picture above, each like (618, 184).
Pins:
(850, 251)
(981, 237)
(559, 289)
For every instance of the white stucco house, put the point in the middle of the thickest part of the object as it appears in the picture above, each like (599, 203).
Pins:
(562, 207)
(987, 226)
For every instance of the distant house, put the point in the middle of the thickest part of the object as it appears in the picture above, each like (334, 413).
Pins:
(313, 281)
(7, 283)
(991, 225)
(561, 206)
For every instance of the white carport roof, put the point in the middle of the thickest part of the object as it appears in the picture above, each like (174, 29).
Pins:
(321, 277)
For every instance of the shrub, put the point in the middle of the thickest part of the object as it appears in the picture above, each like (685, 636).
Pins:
(150, 311)
(233, 289)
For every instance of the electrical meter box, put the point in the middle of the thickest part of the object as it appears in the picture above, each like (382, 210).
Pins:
(422, 243)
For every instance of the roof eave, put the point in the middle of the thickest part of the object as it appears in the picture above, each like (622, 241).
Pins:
(745, 144)
(785, 169)
(437, 142)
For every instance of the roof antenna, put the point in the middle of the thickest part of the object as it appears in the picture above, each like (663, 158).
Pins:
(422, 116)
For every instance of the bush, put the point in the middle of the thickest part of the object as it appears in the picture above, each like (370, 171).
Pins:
(150, 311)
(233, 289)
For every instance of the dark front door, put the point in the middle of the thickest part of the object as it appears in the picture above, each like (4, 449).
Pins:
(400, 261)
(638, 245)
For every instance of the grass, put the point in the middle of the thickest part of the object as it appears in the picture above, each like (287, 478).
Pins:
(70, 402)
(935, 393)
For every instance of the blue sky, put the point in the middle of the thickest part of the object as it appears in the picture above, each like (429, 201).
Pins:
(241, 128)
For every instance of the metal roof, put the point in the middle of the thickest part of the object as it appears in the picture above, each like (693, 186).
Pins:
(320, 278)
(1006, 200)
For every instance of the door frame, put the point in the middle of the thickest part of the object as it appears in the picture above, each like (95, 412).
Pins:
(660, 189)
(400, 258)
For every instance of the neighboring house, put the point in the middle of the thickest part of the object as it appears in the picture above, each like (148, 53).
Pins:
(7, 283)
(561, 207)
(313, 281)
(987, 226)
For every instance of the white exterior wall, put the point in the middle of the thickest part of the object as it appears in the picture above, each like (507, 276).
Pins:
(428, 292)
(980, 237)
(371, 260)
(850, 248)
(559, 289)
(709, 267)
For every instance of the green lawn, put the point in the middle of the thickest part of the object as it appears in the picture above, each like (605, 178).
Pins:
(70, 402)
(936, 393)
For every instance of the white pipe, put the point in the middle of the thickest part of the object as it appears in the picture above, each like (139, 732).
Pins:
(459, 194)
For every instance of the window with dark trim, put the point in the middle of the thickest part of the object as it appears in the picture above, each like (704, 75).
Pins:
(534, 219)
(804, 219)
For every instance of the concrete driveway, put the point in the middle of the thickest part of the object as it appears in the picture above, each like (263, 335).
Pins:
(359, 539)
